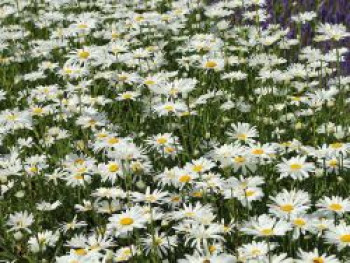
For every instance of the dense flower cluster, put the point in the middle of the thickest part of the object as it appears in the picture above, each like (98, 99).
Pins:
(171, 131)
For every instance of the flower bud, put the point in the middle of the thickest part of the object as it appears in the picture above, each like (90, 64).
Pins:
(140, 184)
(18, 235)
(20, 194)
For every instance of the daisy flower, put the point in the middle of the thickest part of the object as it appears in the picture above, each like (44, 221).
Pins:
(156, 197)
(216, 64)
(43, 240)
(109, 193)
(191, 212)
(82, 56)
(20, 220)
(333, 164)
(110, 171)
(162, 242)
(301, 223)
(334, 32)
(80, 255)
(265, 151)
(338, 235)
(107, 206)
(200, 165)
(266, 226)
(199, 235)
(315, 257)
(182, 177)
(339, 147)
(287, 204)
(334, 204)
(128, 95)
(254, 251)
(125, 253)
(160, 141)
(320, 224)
(220, 258)
(72, 225)
(168, 108)
(127, 221)
(243, 132)
(109, 141)
(296, 167)
(45, 206)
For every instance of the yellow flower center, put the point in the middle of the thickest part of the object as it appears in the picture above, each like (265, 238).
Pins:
(189, 214)
(126, 221)
(92, 122)
(80, 252)
(113, 167)
(82, 26)
(37, 110)
(211, 64)
(84, 54)
(68, 71)
(287, 208)
(296, 98)
(169, 149)
(102, 135)
(79, 161)
(127, 252)
(169, 108)
(239, 159)
(33, 169)
(197, 168)
(212, 249)
(345, 238)
(139, 18)
(318, 260)
(256, 251)
(78, 177)
(185, 178)
(267, 232)
(136, 167)
(127, 96)
(175, 199)
(113, 140)
(11, 117)
(150, 82)
(336, 145)
(335, 207)
(81, 170)
(249, 193)
(295, 166)
(242, 136)
(115, 35)
(258, 151)
(333, 163)
(158, 241)
(197, 194)
(162, 140)
(299, 222)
